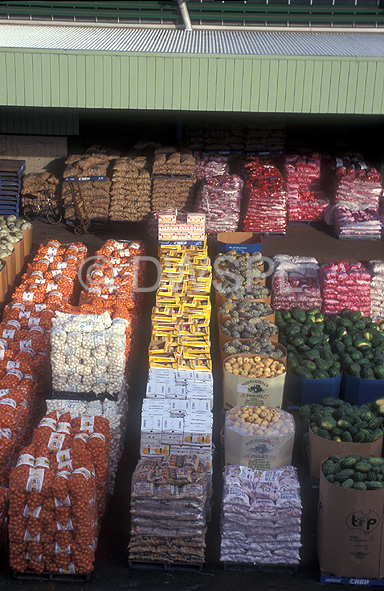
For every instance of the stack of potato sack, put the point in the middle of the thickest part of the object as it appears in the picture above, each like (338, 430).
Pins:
(131, 189)
(92, 166)
(174, 180)
(44, 186)
(57, 495)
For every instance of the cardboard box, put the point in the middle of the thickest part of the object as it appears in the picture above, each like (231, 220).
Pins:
(239, 241)
(320, 449)
(241, 390)
(256, 451)
(350, 531)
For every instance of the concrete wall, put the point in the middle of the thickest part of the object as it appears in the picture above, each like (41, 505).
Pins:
(41, 153)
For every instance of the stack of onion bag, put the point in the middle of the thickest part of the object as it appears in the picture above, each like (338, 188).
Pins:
(57, 496)
(113, 410)
(376, 269)
(44, 186)
(168, 501)
(52, 276)
(130, 189)
(94, 190)
(266, 197)
(345, 285)
(306, 201)
(219, 198)
(210, 165)
(174, 180)
(88, 353)
(295, 282)
(113, 281)
(358, 192)
(261, 516)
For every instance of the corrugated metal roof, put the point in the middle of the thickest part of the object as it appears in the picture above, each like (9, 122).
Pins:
(285, 43)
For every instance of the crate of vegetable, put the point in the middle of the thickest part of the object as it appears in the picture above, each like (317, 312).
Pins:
(351, 505)
(244, 309)
(322, 348)
(247, 329)
(261, 346)
(253, 379)
(337, 427)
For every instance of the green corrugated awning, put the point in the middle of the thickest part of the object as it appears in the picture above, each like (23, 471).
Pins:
(233, 71)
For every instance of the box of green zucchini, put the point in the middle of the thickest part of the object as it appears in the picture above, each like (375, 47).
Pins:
(337, 427)
(350, 516)
(257, 380)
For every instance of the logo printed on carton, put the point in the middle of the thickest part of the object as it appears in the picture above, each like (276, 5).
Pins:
(365, 522)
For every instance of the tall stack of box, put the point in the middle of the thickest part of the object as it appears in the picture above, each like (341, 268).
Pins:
(177, 411)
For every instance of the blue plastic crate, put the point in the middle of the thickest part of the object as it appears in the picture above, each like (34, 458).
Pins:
(303, 391)
(359, 390)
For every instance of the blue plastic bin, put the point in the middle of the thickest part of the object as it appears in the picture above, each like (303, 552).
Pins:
(360, 390)
(302, 391)
(239, 241)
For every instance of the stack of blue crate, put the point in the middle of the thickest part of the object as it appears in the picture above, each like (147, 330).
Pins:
(11, 174)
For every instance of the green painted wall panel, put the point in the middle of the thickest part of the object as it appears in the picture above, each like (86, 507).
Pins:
(19, 80)
(290, 87)
(246, 86)
(124, 83)
(98, 81)
(255, 85)
(64, 88)
(325, 87)
(193, 100)
(107, 82)
(361, 86)
(238, 85)
(229, 82)
(264, 86)
(28, 79)
(370, 87)
(159, 90)
(352, 85)
(334, 87)
(203, 84)
(307, 86)
(281, 85)
(37, 79)
(116, 82)
(220, 84)
(166, 95)
(378, 97)
(10, 74)
(212, 84)
(187, 82)
(147, 84)
(299, 86)
(343, 87)
(272, 86)
(89, 80)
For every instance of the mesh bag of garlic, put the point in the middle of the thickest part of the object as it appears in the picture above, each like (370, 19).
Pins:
(261, 516)
(113, 410)
(57, 495)
(88, 353)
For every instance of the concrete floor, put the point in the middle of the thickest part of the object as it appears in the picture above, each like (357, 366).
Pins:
(111, 570)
